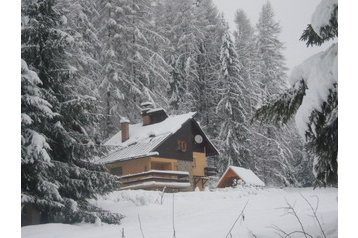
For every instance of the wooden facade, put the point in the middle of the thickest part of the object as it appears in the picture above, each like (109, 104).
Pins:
(228, 179)
(196, 168)
(235, 175)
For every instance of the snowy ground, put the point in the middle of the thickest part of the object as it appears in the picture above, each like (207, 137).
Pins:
(206, 214)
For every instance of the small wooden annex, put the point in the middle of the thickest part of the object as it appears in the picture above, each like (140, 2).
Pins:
(234, 174)
(161, 151)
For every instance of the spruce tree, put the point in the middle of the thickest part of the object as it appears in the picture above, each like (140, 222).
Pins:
(275, 150)
(194, 31)
(318, 122)
(233, 132)
(132, 65)
(57, 173)
(273, 76)
(207, 62)
(245, 43)
(177, 23)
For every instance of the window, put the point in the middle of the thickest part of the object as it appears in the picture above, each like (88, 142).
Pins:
(117, 171)
(182, 145)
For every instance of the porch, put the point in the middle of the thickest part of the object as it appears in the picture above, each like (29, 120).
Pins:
(157, 180)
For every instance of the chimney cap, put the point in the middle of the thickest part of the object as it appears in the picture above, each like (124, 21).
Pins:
(146, 104)
(124, 120)
(143, 110)
(156, 110)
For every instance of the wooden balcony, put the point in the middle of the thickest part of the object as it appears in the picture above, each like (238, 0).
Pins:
(157, 179)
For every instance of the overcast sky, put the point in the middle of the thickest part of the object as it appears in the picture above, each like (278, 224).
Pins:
(293, 16)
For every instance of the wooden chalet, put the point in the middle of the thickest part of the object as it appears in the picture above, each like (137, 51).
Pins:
(161, 151)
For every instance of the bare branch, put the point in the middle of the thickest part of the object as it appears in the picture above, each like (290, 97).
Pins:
(140, 226)
(293, 212)
(279, 231)
(174, 236)
(314, 211)
(233, 225)
(160, 199)
(293, 232)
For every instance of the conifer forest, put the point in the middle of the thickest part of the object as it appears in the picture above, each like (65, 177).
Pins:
(87, 65)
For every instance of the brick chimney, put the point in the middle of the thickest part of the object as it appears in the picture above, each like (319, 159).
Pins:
(146, 106)
(124, 129)
(146, 119)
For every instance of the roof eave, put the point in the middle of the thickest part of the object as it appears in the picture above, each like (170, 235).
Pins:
(154, 153)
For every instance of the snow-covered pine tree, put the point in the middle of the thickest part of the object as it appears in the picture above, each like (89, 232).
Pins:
(275, 150)
(313, 96)
(273, 76)
(144, 66)
(195, 32)
(230, 110)
(245, 44)
(177, 23)
(35, 158)
(207, 62)
(132, 64)
(57, 175)
(111, 86)
(248, 56)
(82, 54)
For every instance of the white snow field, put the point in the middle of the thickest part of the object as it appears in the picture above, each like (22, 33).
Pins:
(207, 214)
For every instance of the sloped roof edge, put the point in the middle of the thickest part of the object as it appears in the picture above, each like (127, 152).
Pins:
(215, 150)
(120, 154)
(247, 175)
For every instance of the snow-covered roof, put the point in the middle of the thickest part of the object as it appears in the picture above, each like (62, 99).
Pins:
(143, 104)
(138, 132)
(245, 174)
(143, 140)
(124, 120)
(155, 110)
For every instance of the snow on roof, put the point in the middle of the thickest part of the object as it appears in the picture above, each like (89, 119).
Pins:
(138, 150)
(246, 175)
(155, 110)
(146, 104)
(143, 140)
(138, 132)
(124, 120)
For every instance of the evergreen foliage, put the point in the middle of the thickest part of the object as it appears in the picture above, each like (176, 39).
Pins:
(321, 134)
(88, 63)
(132, 65)
(325, 33)
(282, 108)
(57, 175)
(274, 150)
(233, 132)
(322, 139)
(272, 67)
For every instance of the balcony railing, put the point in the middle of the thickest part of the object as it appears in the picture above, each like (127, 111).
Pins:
(153, 179)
